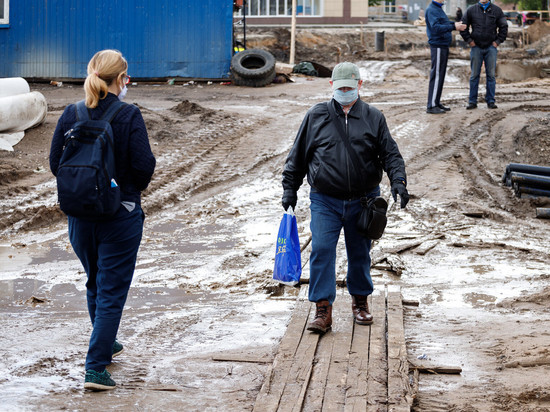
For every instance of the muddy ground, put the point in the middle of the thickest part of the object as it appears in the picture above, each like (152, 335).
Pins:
(202, 287)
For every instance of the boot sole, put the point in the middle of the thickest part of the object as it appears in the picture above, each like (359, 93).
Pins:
(97, 386)
(364, 322)
(319, 330)
(118, 353)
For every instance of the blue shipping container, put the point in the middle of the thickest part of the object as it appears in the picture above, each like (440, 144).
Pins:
(56, 38)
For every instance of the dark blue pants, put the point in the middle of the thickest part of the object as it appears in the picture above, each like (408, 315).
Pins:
(108, 252)
(440, 56)
(479, 56)
(328, 216)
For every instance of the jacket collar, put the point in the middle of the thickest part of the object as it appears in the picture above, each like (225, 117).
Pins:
(485, 7)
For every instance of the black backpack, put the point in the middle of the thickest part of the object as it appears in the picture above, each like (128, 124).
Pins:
(86, 180)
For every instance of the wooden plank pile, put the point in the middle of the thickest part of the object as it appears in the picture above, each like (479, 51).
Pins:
(350, 368)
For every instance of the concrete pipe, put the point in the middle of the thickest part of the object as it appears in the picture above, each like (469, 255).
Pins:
(12, 86)
(21, 112)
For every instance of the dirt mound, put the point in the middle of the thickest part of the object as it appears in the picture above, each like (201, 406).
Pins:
(541, 298)
(538, 30)
(188, 108)
(533, 141)
(331, 46)
(542, 45)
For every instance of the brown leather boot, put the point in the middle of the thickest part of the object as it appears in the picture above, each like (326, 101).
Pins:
(360, 308)
(323, 317)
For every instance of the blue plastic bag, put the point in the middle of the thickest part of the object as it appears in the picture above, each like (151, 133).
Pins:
(288, 259)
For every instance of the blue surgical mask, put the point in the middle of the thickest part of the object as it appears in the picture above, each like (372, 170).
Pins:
(345, 98)
(122, 93)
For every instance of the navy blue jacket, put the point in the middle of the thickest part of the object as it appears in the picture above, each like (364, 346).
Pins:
(135, 163)
(483, 25)
(438, 26)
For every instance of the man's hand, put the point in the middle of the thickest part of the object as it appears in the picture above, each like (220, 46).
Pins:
(398, 188)
(472, 44)
(460, 26)
(289, 199)
(495, 44)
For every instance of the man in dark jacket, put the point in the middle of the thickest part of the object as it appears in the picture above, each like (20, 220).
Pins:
(486, 29)
(439, 29)
(320, 153)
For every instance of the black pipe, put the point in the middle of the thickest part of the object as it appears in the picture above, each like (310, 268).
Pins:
(523, 168)
(532, 169)
(543, 212)
(533, 191)
(535, 181)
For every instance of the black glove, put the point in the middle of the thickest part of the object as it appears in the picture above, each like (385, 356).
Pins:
(289, 199)
(398, 188)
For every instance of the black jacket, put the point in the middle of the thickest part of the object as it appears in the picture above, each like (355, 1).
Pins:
(484, 26)
(319, 152)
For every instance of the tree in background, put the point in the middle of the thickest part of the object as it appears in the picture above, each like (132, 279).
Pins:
(532, 5)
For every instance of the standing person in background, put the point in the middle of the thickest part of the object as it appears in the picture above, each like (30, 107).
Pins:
(486, 28)
(458, 16)
(320, 152)
(107, 247)
(439, 29)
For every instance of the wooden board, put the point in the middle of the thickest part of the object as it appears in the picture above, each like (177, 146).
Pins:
(399, 389)
(377, 378)
(342, 330)
(270, 394)
(350, 368)
(356, 385)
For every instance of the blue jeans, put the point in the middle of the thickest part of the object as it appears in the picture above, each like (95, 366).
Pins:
(108, 252)
(328, 216)
(477, 57)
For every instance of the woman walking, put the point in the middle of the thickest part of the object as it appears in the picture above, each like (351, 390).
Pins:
(107, 247)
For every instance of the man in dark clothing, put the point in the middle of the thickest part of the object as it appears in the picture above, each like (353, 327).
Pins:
(458, 16)
(336, 188)
(486, 28)
(439, 29)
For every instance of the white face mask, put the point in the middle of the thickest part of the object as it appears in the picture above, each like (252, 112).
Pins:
(345, 98)
(122, 93)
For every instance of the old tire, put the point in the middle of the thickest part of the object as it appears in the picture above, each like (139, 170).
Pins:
(255, 82)
(253, 64)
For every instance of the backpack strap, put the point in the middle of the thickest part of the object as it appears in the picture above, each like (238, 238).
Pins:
(112, 110)
(81, 111)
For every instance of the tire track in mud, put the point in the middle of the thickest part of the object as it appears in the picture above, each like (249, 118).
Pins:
(213, 155)
(196, 149)
(29, 207)
(462, 144)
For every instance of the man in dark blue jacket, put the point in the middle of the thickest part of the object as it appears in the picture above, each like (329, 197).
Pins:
(439, 29)
(488, 30)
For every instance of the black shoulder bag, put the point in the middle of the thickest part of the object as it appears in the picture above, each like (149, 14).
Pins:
(372, 219)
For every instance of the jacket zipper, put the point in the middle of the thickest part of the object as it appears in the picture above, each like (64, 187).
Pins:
(347, 162)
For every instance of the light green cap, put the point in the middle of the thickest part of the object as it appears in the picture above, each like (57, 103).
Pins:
(345, 74)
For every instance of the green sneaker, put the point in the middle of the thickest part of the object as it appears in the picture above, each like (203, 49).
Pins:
(98, 381)
(117, 348)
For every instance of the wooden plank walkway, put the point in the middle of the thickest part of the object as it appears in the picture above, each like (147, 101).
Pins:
(350, 368)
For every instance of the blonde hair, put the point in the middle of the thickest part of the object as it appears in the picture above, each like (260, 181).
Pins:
(105, 67)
